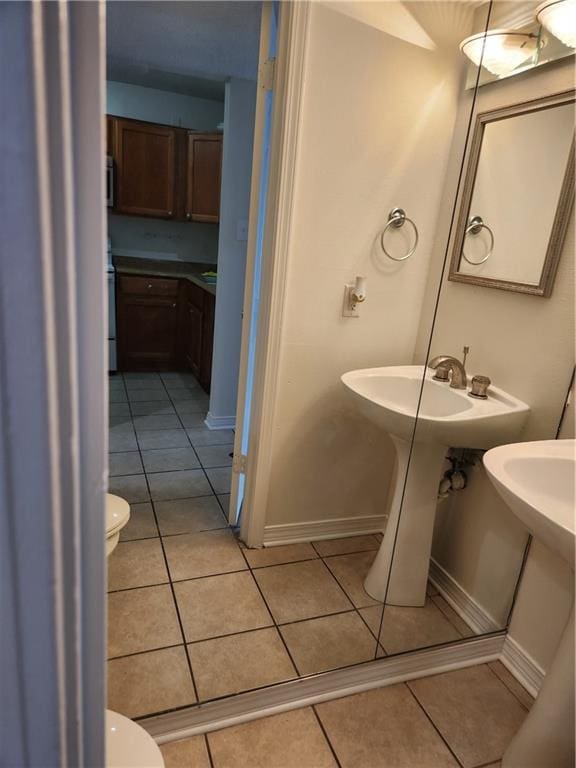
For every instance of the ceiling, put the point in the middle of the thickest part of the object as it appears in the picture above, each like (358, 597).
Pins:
(187, 47)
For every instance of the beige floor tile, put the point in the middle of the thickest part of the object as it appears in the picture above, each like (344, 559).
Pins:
(237, 663)
(473, 710)
(186, 753)
(141, 620)
(182, 484)
(301, 591)
(133, 488)
(289, 553)
(220, 479)
(350, 571)
(452, 616)
(202, 513)
(290, 740)
(511, 683)
(125, 463)
(169, 459)
(141, 524)
(346, 546)
(215, 455)
(150, 682)
(203, 554)
(136, 564)
(329, 642)
(220, 605)
(404, 629)
(383, 727)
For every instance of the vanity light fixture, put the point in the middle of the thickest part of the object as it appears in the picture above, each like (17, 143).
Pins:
(500, 51)
(559, 18)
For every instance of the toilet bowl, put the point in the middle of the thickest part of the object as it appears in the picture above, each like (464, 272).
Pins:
(117, 515)
(128, 745)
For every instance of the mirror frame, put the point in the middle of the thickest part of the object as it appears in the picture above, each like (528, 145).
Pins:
(561, 217)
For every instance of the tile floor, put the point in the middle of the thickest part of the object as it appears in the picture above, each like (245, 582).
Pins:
(192, 614)
(460, 719)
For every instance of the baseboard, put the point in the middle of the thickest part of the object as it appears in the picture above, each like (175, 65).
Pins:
(520, 664)
(244, 707)
(477, 618)
(220, 422)
(335, 528)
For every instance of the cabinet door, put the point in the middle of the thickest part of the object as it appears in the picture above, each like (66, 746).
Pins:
(204, 171)
(205, 374)
(145, 163)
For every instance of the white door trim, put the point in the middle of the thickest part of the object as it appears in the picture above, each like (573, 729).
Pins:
(290, 68)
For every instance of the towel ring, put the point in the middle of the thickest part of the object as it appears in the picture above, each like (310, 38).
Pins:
(475, 226)
(397, 218)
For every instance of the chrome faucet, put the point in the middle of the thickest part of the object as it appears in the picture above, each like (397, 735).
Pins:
(443, 365)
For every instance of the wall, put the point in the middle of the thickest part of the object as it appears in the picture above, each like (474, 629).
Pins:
(140, 236)
(526, 345)
(234, 209)
(377, 120)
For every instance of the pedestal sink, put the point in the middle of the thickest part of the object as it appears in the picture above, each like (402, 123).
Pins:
(537, 482)
(391, 397)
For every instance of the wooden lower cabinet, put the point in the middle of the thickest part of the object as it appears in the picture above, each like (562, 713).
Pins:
(163, 324)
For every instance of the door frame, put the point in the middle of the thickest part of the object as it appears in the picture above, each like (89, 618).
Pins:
(286, 120)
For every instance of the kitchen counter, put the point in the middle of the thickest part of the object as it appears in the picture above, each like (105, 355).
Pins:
(132, 265)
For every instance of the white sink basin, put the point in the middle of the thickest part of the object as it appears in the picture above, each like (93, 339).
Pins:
(450, 417)
(537, 481)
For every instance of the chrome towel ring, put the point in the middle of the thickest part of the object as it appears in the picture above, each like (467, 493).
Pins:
(397, 218)
(475, 226)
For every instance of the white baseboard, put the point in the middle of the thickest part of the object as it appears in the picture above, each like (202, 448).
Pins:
(220, 422)
(335, 528)
(520, 664)
(244, 707)
(477, 618)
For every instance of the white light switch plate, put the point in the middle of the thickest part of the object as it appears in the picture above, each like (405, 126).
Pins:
(347, 310)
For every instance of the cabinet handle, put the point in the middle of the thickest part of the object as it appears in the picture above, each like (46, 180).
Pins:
(169, 213)
(188, 216)
(149, 286)
(173, 306)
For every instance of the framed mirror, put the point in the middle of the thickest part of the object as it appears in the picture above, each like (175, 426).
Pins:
(517, 197)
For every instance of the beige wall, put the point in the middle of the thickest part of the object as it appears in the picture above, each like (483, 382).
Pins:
(526, 345)
(377, 121)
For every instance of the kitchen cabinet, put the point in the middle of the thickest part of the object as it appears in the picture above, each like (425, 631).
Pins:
(205, 372)
(145, 156)
(203, 177)
(147, 323)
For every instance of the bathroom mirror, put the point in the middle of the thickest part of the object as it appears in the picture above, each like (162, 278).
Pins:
(517, 196)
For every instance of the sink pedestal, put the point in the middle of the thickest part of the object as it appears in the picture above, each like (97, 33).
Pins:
(546, 737)
(404, 553)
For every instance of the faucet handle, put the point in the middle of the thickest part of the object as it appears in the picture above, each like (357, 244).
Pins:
(441, 373)
(479, 386)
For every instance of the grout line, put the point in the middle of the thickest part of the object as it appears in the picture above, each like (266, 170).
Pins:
(518, 699)
(207, 743)
(421, 706)
(147, 650)
(330, 745)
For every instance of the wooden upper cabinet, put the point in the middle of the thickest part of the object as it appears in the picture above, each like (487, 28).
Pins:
(146, 166)
(203, 177)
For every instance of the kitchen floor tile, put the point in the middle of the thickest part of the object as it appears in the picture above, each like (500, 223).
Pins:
(151, 376)
(133, 488)
(118, 421)
(192, 420)
(220, 605)
(148, 395)
(167, 459)
(203, 436)
(383, 727)
(183, 484)
(197, 400)
(345, 546)
(156, 421)
(186, 753)
(164, 438)
(228, 665)
(115, 383)
(152, 409)
(118, 409)
(150, 682)
(148, 384)
(301, 591)
(224, 499)
(202, 513)
(203, 554)
(136, 564)
(194, 406)
(117, 396)
(350, 571)
(141, 620)
(215, 455)
(287, 553)
(141, 524)
(220, 479)
(122, 438)
(125, 463)
(290, 740)
(329, 642)
(475, 713)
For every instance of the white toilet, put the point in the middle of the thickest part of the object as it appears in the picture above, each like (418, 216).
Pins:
(127, 743)
(117, 515)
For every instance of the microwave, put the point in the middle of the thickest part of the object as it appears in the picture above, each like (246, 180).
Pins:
(110, 182)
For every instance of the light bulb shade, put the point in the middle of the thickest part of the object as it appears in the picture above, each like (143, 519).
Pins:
(559, 18)
(499, 50)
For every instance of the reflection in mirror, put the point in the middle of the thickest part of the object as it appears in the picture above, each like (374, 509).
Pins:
(517, 197)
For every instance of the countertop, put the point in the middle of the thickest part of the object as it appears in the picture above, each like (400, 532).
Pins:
(132, 265)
